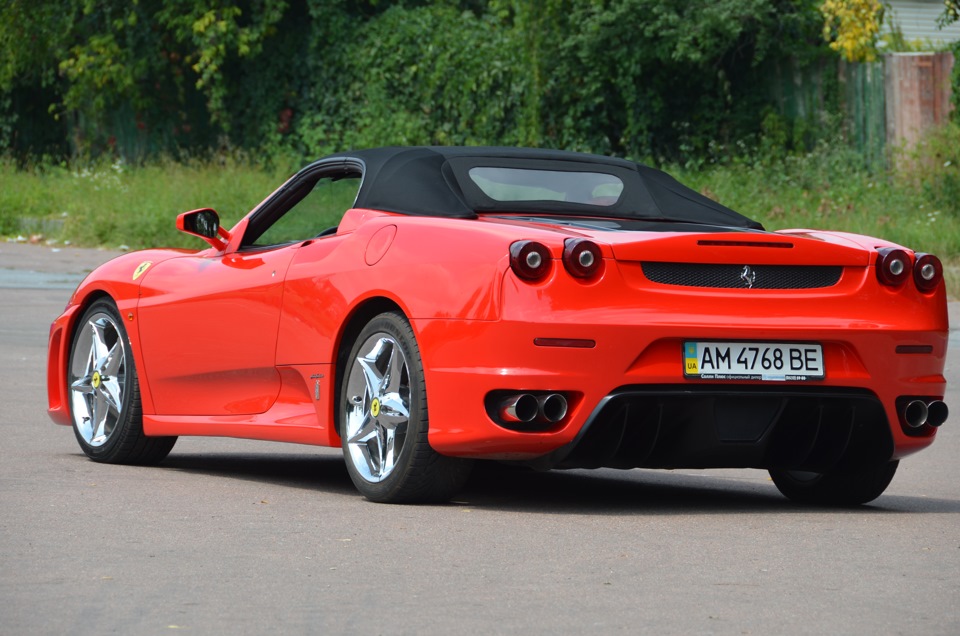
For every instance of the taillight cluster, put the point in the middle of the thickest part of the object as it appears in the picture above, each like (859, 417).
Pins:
(531, 260)
(895, 266)
(581, 258)
(927, 272)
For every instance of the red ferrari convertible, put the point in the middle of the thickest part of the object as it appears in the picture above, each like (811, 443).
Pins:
(554, 309)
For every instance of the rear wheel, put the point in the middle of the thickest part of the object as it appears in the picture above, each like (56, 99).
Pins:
(383, 420)
(850, 486)
(105, 393)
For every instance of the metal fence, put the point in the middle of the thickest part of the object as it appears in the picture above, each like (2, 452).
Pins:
(885, 105)
(863, 102)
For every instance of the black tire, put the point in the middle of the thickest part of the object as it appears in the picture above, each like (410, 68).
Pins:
(842, 487)
(383, 419)
(105, 392)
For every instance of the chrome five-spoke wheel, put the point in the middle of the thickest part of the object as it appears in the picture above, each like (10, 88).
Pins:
(98, 378)
(378, 407)
(383, 419)
(104, 393)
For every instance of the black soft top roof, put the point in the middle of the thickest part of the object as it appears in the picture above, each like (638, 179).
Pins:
(435, 181)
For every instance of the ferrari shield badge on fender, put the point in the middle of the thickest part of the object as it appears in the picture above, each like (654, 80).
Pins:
(141, 268)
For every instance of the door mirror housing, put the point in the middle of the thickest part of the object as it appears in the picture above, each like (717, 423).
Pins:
(204, 223)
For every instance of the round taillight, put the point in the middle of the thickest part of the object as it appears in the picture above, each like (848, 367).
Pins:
(893, 266)
(927, 272)
(529, 260)
(582, 258)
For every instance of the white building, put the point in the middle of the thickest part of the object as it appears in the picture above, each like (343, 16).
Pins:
(917, 20)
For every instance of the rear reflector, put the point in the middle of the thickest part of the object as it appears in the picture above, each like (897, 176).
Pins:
(574, 343)
(914, 348)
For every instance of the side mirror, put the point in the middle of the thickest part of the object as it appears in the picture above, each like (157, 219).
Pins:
(204, 223)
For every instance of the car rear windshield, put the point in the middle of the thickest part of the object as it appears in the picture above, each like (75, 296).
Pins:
(521, 184)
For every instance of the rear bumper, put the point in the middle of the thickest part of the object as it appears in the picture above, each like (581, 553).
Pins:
(642, 365)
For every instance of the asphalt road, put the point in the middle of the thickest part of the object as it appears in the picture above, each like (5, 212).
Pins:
(240, 537)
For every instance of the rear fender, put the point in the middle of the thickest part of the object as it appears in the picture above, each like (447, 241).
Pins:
(429, 268)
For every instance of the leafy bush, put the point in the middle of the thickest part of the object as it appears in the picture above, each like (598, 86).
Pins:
(182, 77)
(424, 75)
(933, 167)
(645, 78)
(955, 82)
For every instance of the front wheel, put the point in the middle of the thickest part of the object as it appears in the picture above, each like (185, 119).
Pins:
(850, 486)
(383, 420)
(105, 393)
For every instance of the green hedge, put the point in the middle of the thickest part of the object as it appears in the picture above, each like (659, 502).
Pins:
(645, 78)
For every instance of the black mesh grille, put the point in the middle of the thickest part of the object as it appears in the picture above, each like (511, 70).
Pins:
(743, 276)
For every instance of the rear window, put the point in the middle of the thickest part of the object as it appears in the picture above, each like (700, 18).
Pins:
(521, 184)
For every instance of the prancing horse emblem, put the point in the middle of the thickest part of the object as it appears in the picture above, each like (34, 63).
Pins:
(748, 276)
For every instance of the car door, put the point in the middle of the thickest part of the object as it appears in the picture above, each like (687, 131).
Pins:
(209, 322)
(208, 328)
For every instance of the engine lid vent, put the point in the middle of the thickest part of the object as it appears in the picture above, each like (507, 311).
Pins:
(742, 276)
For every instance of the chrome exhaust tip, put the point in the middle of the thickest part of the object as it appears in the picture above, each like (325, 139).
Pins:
(937, 413)
(915, 414)
(552, 407)
(519, 408)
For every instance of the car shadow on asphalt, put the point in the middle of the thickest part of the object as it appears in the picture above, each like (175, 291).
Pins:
(307, 471)
(656, 492)
(507, 488)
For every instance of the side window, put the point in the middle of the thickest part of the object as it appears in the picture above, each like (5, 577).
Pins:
(319, 209)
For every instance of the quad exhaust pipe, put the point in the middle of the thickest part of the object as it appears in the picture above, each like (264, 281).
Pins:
(937, 413)
(552, 407)
(917, 413)
(524, 408)
(521, 408)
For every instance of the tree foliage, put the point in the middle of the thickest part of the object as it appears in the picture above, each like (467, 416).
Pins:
(951, 13)
(852, 27)
(631, 77)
